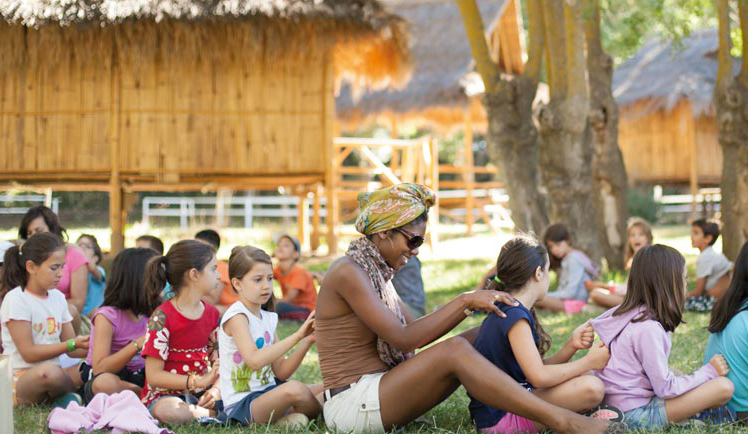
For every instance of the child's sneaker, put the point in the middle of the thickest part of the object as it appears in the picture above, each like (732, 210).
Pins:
(293, 421)
(715, 416)
(62, 401)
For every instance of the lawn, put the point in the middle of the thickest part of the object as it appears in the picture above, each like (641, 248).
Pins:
(444, 279)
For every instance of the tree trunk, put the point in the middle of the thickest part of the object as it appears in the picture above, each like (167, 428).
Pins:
(731, 99)
(608, 170)
(565, 151)
(514, 147)
(511, 132)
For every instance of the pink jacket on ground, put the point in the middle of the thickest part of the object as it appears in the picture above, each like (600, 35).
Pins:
(121, 412)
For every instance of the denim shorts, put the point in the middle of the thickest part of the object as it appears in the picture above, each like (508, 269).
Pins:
(652, 415)
(241, 411)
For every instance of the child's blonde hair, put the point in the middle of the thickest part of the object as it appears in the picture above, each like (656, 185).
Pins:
(241, 262)
(637, 222)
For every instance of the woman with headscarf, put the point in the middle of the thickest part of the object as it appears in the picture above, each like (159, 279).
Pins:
(366, 336)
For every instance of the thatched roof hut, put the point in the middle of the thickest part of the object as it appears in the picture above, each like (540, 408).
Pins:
(182, 94)
(443, 78)
(668, 128)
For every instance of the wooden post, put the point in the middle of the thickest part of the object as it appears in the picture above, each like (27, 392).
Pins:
(314, 242)
(116, 209)
(303, 219)
(469, 172)
(331, 174)
(395, 159)
(434, 175)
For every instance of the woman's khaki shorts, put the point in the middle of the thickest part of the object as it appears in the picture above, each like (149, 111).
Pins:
(356, 409)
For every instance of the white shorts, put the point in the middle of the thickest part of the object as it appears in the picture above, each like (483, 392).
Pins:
(356, 409)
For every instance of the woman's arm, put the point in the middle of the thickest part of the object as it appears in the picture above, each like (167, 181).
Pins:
(541, 375)
(353, 285)
(101, 359)
(284, 367)
(20, 332)
(78, 287)
(238, 328)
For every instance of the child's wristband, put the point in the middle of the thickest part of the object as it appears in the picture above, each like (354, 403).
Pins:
(71, 345)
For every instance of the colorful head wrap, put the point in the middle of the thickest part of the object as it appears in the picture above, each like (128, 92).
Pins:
(392, 207)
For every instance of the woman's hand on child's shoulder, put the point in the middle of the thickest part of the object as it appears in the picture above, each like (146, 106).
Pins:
(484, 300)
(719, 364)
(598, 356)
(583, 336)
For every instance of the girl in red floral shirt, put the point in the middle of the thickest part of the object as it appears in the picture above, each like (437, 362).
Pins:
(179, 351)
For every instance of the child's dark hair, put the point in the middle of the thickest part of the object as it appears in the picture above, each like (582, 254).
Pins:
(181, 258)
(210, 236)
(637, 222)
(36, 249)
(125, 288)
(94, 244)
(556, 232)
(731, 303)
(50, 219)
(709, 227)
(155, 242)
(656, 281)
(517, 262)
(241, 262)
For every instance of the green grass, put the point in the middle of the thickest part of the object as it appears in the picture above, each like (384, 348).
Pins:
(444, 280)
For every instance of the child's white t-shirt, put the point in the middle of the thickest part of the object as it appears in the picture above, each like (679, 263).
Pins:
(711, 265)
(45, 314)
(238, 379)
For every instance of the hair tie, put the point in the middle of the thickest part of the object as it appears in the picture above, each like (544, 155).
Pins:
(496, 279)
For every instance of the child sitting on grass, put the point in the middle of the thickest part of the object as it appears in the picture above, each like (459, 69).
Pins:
(573, 268)
(637, 378)
(517, 344)
(712, 268)
(118, 334)
(297, 284)
(729, 333)
(254, 368)
(96, 274)
(609, 295)
(37, 325)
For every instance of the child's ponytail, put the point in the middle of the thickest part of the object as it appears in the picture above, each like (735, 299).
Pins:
(36, 249)
(155, 275)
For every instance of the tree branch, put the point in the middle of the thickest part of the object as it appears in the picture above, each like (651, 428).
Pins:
(536, 40)
(478, 46)
(555, 42)
(724, 68)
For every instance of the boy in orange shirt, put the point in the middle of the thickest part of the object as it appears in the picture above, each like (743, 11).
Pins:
(297, 284)
(223, 296)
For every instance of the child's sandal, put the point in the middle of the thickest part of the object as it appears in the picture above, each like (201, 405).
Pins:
(606, 412)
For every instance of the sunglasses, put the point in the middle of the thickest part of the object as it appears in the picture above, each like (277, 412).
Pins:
(413, 241)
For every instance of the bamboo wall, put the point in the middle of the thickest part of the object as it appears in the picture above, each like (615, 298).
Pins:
(163, 113)
(657, 147)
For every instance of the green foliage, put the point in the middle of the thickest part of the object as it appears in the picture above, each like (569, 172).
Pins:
(642, 204)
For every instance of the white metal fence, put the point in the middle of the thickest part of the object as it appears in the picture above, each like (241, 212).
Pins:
(187, 209)
(28, 200)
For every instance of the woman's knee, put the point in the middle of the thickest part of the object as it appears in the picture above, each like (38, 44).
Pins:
(172, 411)
(106, 383)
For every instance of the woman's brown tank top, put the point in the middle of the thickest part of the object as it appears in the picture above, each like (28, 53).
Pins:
(347, 350)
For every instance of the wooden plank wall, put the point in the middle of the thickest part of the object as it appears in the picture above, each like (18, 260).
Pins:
(656, 150)
(175, 116)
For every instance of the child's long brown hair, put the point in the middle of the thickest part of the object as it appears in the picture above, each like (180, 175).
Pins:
(241, 261)
(657, 282)
(736, 294)
(517, 262)
(181, 258)
(636, 222)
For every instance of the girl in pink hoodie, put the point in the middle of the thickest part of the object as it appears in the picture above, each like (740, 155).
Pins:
(637, 378)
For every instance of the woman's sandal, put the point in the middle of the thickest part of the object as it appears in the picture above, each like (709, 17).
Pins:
(605, 412)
